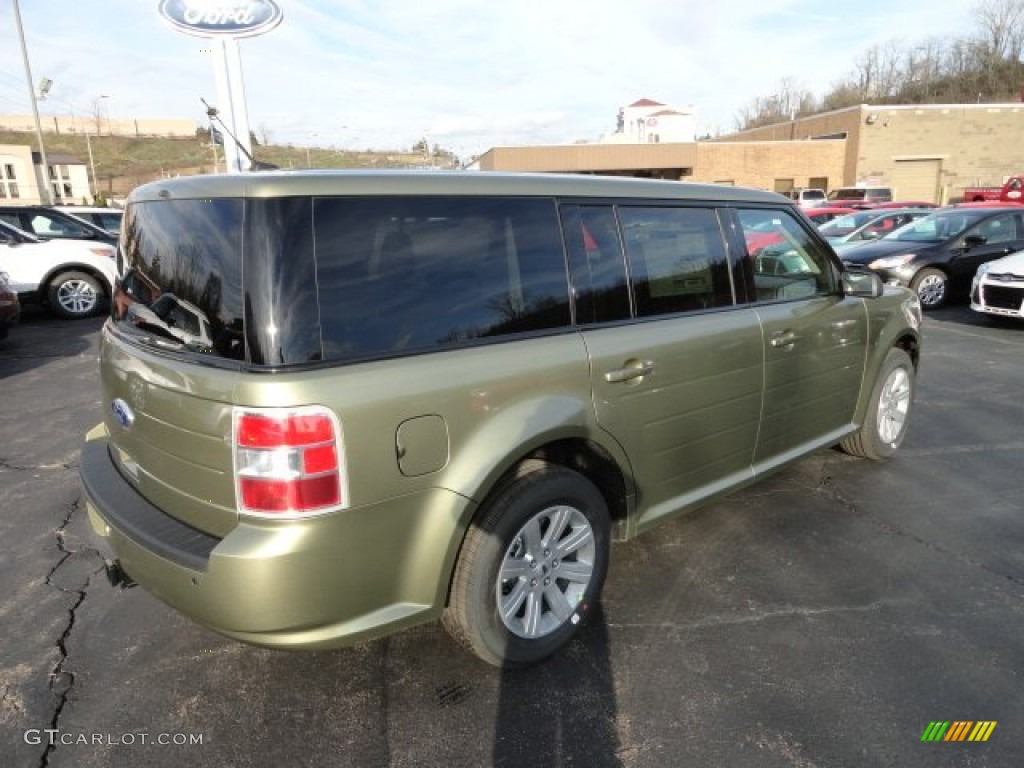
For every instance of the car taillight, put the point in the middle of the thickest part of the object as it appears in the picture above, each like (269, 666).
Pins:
(289, 462)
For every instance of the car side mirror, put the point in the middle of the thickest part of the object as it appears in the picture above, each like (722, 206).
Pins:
(862, 284)
(972, 241)
(870, 234)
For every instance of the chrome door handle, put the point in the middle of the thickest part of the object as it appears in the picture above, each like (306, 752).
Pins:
(784, 339)
(634, 369)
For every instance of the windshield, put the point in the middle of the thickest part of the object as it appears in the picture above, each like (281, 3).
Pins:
(15, 234)
(936, 227)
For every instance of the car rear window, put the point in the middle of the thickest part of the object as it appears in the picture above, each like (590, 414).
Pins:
(848, 194)
(181, 278)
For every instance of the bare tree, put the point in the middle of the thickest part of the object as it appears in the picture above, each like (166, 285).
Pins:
(788, 101)
(1002, 24)
(983, 66)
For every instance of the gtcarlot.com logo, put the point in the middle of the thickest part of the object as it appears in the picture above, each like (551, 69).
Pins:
(958, 730)
(53, 737)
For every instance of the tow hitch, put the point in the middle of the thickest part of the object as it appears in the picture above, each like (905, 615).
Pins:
(116, 575)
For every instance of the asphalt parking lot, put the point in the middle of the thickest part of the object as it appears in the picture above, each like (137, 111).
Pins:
(822, 618)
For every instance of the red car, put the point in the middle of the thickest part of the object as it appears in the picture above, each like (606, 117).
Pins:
(906, 204)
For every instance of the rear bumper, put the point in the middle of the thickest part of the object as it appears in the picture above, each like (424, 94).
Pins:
(316, 583)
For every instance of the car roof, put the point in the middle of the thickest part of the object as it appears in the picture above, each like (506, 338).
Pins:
(375, 183)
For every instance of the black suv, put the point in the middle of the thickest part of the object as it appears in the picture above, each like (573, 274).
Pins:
(48, 224)
(940, 253)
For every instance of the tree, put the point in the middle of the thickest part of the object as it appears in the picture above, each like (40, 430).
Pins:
(1002, 26)
(788, 101)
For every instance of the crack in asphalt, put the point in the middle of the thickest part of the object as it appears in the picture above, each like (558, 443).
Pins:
(62, 680)
(825, 486)
(7, 464)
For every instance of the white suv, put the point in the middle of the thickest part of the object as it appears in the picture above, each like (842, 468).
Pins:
(73, 277)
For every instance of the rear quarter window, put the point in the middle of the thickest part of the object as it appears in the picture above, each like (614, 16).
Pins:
(399, 274)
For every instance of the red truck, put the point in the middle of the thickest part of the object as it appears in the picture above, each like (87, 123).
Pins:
(1011, 192)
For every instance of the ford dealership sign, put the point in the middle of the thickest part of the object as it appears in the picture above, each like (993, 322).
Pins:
(221, 18)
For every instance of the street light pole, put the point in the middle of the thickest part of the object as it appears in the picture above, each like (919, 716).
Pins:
(44, 192)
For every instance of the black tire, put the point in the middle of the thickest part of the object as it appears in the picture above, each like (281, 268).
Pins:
(74, 294)
(538, 498)
(892, 396)
(931, 286)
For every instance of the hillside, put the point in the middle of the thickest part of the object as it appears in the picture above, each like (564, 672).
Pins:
(124, 162)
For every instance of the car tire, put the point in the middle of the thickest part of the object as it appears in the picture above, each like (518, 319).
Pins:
(547, 529)
(931, 286)
(885, 423)
(74, 294)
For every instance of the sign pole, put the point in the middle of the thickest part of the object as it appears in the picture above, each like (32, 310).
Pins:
(222, 23)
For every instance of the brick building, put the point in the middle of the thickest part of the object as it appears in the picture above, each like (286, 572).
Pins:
(924, 152)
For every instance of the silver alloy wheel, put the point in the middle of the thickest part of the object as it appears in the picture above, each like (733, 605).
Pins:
(893, 405)
(932, 290)
(545, 572)
(77, 296)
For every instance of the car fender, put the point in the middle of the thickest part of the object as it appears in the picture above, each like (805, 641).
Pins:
(894, 320)
(518, 431)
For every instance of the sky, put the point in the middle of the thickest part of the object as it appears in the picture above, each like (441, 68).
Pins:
(468, 76)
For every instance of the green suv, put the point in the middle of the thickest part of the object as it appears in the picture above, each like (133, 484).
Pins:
(341, 404)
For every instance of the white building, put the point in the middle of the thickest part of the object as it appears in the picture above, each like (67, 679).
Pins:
(22, 177)
(651, 122)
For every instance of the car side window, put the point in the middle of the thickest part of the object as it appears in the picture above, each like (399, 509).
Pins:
(597, 264)
(398, 274)
(677, 259)
(1000, 229)
(52, 227)
(783, 259)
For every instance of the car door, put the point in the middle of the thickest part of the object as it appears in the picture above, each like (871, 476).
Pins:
(676, 369)
(1002, 234)
(21, 263)
(814, 340)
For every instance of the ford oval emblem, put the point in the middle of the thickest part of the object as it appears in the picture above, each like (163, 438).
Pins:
(123, 413)
(221, 18)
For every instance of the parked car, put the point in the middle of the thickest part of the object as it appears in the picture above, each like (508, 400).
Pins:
(10, 307)
(937, 255)
(998, 287)
(108, 219)
(856, 228)
(807, 198)
(825, 214)
(49, 224)
(853, 195)
(73, 277)
(443, 395)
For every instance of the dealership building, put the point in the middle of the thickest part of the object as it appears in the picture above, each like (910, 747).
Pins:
(924, 152)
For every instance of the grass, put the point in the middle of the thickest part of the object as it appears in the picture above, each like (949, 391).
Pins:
(123, 162)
